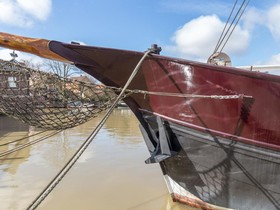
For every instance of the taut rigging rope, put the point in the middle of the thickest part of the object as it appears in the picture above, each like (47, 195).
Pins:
(222, 34)
(235, 25)
(230, 30)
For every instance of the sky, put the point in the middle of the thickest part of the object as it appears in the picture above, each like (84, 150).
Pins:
(187, 29)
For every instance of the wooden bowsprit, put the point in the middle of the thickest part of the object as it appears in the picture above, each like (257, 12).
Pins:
(34, 46)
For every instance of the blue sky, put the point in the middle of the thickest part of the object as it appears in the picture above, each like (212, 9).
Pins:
(183, 28)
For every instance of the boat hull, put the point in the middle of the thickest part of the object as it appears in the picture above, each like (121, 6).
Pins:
(213, 130)
(210, 172)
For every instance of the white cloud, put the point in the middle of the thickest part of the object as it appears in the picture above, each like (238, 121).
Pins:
(11, 14)
(39, 9)
(275, 60)
(5, 55)
(198, 38)
(273, 17)
(23, 13)
(253, 17)
(265, 18)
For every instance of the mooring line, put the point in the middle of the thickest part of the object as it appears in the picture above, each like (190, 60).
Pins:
(21, 139)
(28, 144)
(83, 147)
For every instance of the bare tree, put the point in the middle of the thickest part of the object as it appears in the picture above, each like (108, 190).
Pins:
(30, 64)
(61, 69)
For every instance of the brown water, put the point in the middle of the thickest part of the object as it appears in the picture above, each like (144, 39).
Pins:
(111, 173)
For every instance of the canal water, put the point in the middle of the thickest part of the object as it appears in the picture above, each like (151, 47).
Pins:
(110, 175)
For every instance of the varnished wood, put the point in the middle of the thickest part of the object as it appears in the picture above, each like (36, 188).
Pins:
(34, 46)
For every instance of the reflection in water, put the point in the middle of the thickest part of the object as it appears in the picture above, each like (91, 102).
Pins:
(111, 173)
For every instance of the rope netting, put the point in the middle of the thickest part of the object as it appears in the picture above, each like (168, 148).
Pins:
(215, 181)
(48, 101)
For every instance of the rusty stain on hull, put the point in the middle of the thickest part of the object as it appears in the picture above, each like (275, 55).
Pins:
(196, 203)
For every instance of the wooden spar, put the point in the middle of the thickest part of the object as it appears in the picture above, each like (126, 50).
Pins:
(34, 46)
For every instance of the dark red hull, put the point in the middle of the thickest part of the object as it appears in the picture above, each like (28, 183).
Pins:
(168, 75)
(241, 117)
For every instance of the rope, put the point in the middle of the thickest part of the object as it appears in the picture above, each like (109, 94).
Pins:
(21, 139)
(181, 95)
(235, 24)
(28, 144)
(240, 96)
(80, 151)
(219, 41)
(237, 15)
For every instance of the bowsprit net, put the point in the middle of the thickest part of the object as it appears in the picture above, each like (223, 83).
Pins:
(48, 101)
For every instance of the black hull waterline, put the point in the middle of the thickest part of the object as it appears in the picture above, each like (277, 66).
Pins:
(209, 172)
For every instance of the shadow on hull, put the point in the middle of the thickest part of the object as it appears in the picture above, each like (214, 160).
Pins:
(208, 171)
